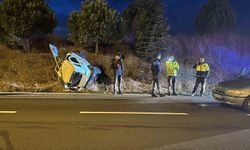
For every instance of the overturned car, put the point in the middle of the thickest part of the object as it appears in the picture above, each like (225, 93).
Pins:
(74, 71)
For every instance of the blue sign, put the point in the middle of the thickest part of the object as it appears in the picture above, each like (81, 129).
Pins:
(54, 50)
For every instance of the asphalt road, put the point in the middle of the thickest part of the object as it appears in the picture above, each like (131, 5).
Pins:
(128, 123)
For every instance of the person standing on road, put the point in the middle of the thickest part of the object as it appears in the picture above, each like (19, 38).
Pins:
(118, 68)
(156, 71)
(172, 67)
(202, 72)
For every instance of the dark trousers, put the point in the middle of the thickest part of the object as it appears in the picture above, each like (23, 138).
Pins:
(156, 83)
(202, 81)
(117, 82)
(171, 83)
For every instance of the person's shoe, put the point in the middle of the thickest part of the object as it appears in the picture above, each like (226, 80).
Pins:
(168, 94)
(162, 95)
(120, 93)
(193, 94)
(201, 95)
(66, 86)
(174, 94)
(153, 95)
(73, 88)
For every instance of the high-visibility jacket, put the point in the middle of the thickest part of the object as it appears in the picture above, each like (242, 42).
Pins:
(172, 67)
(202, 70)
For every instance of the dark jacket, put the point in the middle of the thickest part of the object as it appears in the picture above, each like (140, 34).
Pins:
(156, 68)
(117, 66)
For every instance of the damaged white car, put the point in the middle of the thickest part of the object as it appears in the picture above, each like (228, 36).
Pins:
(74, 71)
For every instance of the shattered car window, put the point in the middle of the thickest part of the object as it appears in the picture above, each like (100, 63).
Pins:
(74, 60)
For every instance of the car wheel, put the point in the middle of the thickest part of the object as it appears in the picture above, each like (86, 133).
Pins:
(246, 105)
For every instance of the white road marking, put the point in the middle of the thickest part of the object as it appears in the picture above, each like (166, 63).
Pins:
(8, 112)
(135, 113)
(248, 115)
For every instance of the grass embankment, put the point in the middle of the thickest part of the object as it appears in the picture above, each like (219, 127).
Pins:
(26, 72)
(35, 71)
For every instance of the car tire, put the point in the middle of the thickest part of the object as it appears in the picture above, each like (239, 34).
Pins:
(246, 105)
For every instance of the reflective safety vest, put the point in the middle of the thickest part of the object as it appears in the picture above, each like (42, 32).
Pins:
(172, 67)
(202, 70)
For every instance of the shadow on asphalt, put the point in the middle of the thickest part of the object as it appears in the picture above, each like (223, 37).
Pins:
(228, 106)
(5, 135)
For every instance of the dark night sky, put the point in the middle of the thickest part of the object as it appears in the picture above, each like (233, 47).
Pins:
(180, 13)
